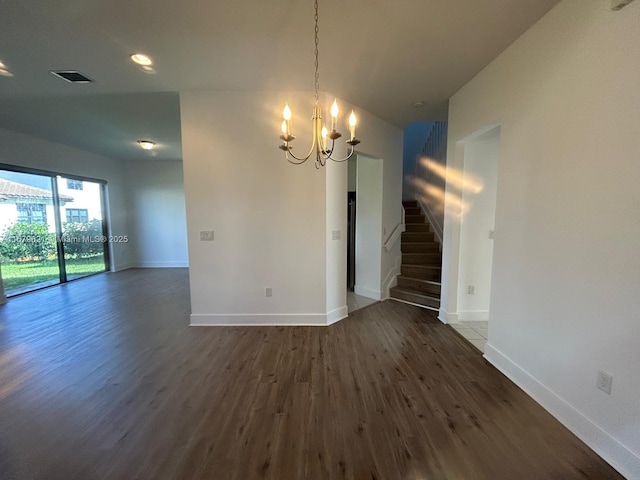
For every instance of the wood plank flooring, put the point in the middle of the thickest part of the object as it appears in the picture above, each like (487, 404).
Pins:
(103, 379)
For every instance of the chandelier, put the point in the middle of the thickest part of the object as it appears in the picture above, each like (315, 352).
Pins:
(320, 133)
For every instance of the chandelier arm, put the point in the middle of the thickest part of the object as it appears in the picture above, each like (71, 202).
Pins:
(339, 160)
(305, 158)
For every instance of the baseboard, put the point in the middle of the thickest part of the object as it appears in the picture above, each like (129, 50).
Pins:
(473, 316)
(610, 449)
(336, 315)
(121, 267)
(446, 317)
(367, 292)
(390, 281)
(437, 229)
(161, 264)
(414, 304)
(258, 320)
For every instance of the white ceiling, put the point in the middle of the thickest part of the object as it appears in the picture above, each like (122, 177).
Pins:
(381, 55)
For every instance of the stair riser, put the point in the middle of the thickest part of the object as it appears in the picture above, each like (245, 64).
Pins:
(418, 227)
(416, 299)
(412, 211)
(427, 247)
(417, 237)
(425, 288)
(409, 203)
(421, 273)
(422, 258)
(419, 219)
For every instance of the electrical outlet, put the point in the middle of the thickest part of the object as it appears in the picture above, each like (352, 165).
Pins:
(206, 235)
(604, 382)
(471, 290)
(336, 235)
(268, 292)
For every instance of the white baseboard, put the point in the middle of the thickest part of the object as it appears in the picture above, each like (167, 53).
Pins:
(473, 316)
(414, 304)
(336, 315)
(179, 264)
(258, 320)
(122, 266)
(437, 229)
(610, 449)
(446, 317)
(390, 281)
(367, 292)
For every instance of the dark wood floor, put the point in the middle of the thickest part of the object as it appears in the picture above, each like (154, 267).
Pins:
(103, 379)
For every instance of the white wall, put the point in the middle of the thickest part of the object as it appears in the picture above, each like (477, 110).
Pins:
(566, 268)
(478, 194)
(369, 236)
(158, 224)
(273, 221)
(26, 151)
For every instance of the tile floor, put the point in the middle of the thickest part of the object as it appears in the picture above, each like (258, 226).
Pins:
(475, 332)
(356, 302)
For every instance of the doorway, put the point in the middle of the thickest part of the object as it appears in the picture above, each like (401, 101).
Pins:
(477, 225)
(52, 229)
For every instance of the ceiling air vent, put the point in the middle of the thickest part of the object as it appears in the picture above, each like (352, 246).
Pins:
(72, 76)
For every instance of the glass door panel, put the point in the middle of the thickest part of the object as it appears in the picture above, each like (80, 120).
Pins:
(28, 250)
(83, 234)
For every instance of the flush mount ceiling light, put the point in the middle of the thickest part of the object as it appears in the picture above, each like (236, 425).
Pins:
(320, 132)
(146, 144)
(4, 71)
(142, 59)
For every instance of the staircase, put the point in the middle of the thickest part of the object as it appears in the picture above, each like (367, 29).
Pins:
(419, 279)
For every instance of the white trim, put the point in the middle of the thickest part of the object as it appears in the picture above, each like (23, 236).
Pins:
(437, 229)
(172, 264)
(367, 292)
(258, 320)
(610, 449)
(336, 315)
(122, 266)
(391, 280)
(473, 316)
(395, 235)
(433, 309)
(446, 317)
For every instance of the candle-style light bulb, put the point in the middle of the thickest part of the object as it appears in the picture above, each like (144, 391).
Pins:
(323, 133)
(286, 113)
(334, 114)
(352, 124)
(284, 127)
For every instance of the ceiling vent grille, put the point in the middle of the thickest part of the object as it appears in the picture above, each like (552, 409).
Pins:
(71, 76)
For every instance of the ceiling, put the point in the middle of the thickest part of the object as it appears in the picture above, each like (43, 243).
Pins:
(381, 55)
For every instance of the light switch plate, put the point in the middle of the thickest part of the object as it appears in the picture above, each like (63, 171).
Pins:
(206, 235)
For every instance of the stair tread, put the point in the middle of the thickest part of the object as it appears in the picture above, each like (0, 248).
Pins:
(414, 292)
(421, 280)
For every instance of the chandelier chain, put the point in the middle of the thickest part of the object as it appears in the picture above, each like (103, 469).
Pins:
(317, 78)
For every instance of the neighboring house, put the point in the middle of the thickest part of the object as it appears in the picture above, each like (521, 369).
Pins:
(28, 204)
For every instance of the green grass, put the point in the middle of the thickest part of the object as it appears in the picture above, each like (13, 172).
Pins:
(18, 275)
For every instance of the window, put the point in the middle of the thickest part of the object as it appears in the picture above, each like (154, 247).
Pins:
(32, 212)
(74, 184)
(77, 215)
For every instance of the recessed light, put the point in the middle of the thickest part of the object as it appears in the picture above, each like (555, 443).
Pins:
(141, 59)
(419, 104)
(5, 73)
(147, 144)
(147, 69)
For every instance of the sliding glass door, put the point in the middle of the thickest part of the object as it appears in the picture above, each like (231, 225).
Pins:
(52, 229)
(83, 242)
(28, 247)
